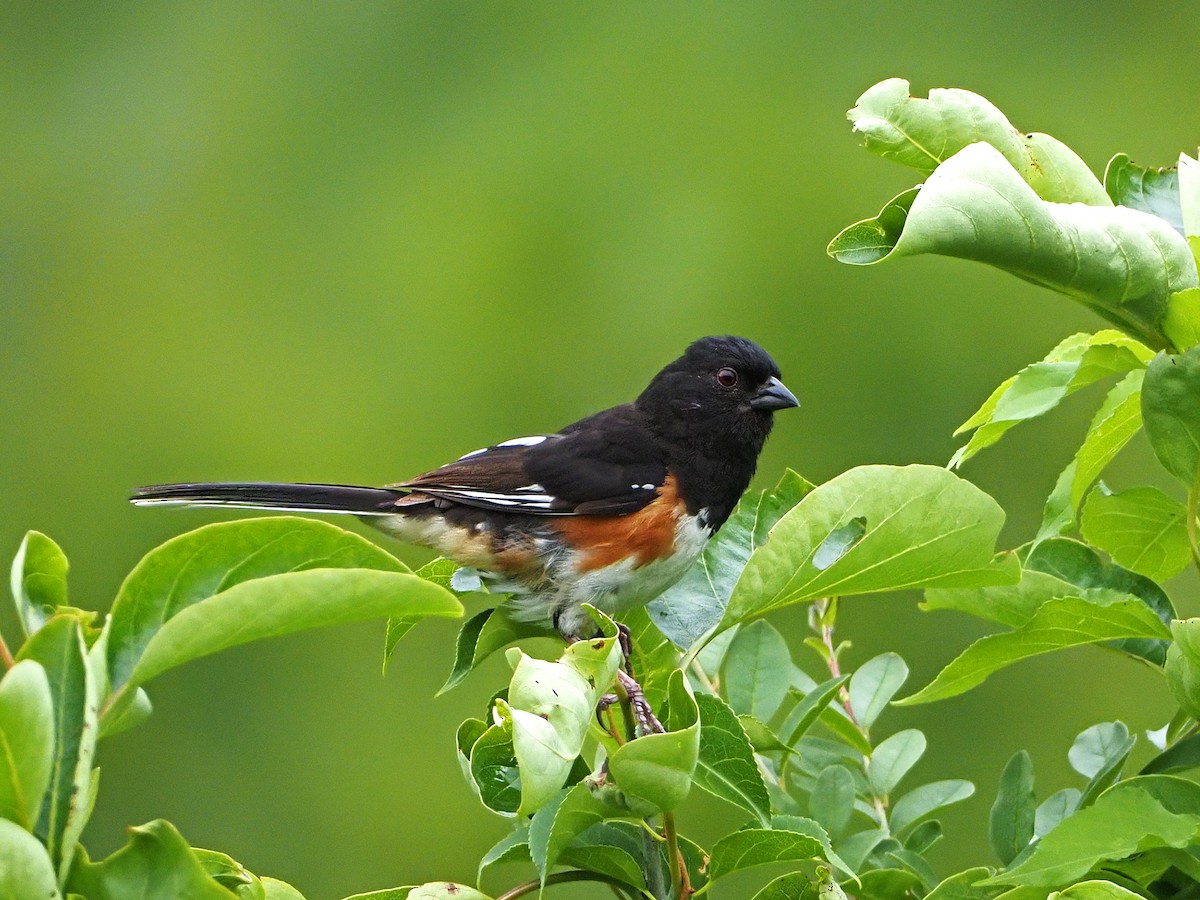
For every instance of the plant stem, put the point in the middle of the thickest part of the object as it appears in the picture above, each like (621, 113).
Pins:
(561, 878)
(656, 881)
(6, 657)
(673, 857)
(1193, 501)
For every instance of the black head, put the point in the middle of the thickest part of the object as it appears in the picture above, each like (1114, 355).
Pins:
(720, 394)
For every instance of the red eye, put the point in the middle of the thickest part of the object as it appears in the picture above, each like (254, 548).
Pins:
(727, 378)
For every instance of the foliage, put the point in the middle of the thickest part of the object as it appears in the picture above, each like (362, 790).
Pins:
(591, 787)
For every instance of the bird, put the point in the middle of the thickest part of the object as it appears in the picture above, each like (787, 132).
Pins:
(609, 511)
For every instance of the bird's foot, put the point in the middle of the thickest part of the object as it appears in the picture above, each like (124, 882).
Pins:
(647, 722)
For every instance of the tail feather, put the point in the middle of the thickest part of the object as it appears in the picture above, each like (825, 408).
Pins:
(326, 498)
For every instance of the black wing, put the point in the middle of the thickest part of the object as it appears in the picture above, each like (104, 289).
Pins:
(607, 464)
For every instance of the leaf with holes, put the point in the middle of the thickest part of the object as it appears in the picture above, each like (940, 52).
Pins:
(924, 527)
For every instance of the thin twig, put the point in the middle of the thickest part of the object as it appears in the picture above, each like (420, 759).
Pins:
(6, 657)
(560, 878)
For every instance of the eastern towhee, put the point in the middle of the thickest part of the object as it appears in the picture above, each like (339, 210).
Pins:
(609, 511)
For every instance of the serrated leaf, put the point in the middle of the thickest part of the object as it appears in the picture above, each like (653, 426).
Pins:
(513, 847)
(1010, 824)
(238, 559)
(725, 766)
(893, 758)
(1171, 412)
(689, 609)
(1142, 529)
(1117, 825)
(481, 636)
(926, 800)
(26, 742)
(38, 580)
(156, 864)
(1155, 191)
(1077, 361)
(758, 846)
(559, 821)
(756, 671)
(1059, 623)
(924, 527)
(610, 848)
(976, 206)
(59, 647)
(874, 685)
(1114, 424)
(25, 868)
(923, 133)
(831, 801)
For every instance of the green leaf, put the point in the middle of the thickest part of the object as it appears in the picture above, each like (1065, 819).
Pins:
(60, 650)
(655, 772)
(1078, 361)
(1054, 809)
(1120, 262)
(1115, 422)
(924, 527)
(1059, 623)
(493, 769)
(1094, 890)
(874, 685)
(756, 672)
(1098, 747)
(39, 580)
(810, 708)
(222, 577)
(831, 801)
(758, 846)
(1078, 564)
(893, 758)
(926, 800)
(559, 821)
(654, 656)
(1171, 412)
(26, 742)
(481, 636)
(1181, 756)
(1183, 665)
(964, 886)
(725, 766)
(274, 889)
(156, 864)
(689, 609)
(1008, 604)
(549, 709)
(1182, 320)
(889, 884)
(130, 710)
(403, 893)
(25, 868)
(792, 886)
(1117, 825)
(1154, 191)
(1142, 529)
(923, 134)
(1189, 194)
(283, 604)
(610, 848)
(1010, 825)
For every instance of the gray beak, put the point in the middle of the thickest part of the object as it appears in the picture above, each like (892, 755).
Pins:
(773, 395)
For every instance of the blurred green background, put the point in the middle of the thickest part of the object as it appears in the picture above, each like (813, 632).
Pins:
(347, 241)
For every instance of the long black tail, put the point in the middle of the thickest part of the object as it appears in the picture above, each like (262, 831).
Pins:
(326, 498)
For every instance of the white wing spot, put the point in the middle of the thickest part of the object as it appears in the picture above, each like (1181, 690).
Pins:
(648, 487)
(532, 441)
(474, 453)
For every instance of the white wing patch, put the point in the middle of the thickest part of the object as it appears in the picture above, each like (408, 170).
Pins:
(531, 496)
(531, 441)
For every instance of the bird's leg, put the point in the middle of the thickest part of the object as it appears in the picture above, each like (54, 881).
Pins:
(643, 714)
